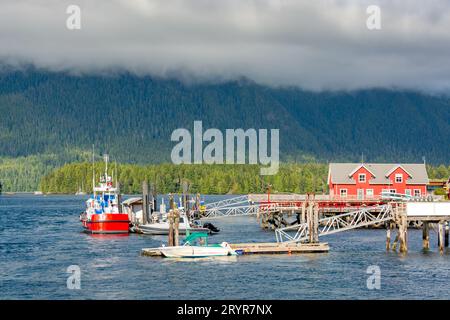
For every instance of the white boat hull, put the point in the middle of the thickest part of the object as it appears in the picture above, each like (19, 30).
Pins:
(188, 251)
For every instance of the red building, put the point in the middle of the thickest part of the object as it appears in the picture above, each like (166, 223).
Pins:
(368, 180)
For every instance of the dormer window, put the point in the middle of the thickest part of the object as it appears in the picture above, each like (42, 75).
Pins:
(398, 178)
(362, 177)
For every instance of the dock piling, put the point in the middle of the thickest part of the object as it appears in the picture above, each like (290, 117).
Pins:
(171, 202)
(394, 244)
(441, 236)
(145, 215)
(309, 220)
(403, 232)
(446, 234)
(171, 222)
(316, 222)
(388, 236)
(176, 224)
(426, 235)
(152, 201)
(303, 217)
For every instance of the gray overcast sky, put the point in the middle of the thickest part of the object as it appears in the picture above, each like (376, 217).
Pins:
(314, 44)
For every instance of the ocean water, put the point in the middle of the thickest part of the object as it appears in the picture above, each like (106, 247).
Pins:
(41, 237)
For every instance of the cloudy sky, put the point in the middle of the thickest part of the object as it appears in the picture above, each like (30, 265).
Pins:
(314, 44)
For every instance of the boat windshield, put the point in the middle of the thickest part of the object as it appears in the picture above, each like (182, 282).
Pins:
(197, 238)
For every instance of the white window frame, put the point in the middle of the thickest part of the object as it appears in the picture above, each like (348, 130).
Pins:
(419, 193)
(340, 193)
(361, 175)
(408, 192)
(398, 175)
(392, 190)
(369, 193)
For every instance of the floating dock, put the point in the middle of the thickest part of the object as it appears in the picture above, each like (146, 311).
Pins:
(263, 248)
(280, 248)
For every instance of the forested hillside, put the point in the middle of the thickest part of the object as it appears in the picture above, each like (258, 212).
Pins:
(56, 115)
(206, 179)
(25, 173)
(133, 117)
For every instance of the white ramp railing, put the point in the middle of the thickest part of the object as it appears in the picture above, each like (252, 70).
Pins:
(239, 206)
(227, 202)
(343, 222)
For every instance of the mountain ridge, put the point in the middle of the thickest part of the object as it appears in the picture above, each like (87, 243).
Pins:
(133, 117)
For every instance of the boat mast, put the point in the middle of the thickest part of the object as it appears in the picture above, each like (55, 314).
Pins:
(116, 175)
(106, 157)
(93, 170)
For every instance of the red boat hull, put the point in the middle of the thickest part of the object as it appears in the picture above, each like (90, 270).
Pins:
(107, 223)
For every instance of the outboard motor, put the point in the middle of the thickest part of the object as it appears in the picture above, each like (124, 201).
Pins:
(211, 227)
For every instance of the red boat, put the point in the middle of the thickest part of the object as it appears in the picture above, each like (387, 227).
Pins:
(102, 214)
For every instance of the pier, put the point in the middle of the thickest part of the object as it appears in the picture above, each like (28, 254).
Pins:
(300, 221)
(321, 215)
(395, 216)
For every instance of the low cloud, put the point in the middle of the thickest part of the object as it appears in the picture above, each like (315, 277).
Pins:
(320, 44)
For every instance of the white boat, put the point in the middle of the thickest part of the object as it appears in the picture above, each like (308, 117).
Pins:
(80, 191)
(162, 227)
(197, 251)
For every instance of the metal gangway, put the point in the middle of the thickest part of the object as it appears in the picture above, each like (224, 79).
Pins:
(334, 224)
(237, 206)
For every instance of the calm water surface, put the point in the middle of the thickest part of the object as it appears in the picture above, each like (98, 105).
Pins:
(41, 236)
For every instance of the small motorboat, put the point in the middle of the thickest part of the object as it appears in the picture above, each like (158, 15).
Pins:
(161, 226)
(196, 246)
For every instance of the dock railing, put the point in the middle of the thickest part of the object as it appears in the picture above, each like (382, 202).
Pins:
(338, 223)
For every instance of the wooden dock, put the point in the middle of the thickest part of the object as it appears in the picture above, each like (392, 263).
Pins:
(263, 248)
(280, 248)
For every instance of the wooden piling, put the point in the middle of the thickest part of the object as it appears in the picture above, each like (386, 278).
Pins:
(403, 232)
(171, 202)
(145, 215)
(397, 225)
(426, 235)
(441, 236)
(264, 220)
(388, 236)
(176, 225)
(316, 222)
(310, 221)
(171, 234)
(152, 198)
(446, 234)
(394, 244)
(303, 216)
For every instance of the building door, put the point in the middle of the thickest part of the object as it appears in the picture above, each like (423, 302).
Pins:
(360, 194)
